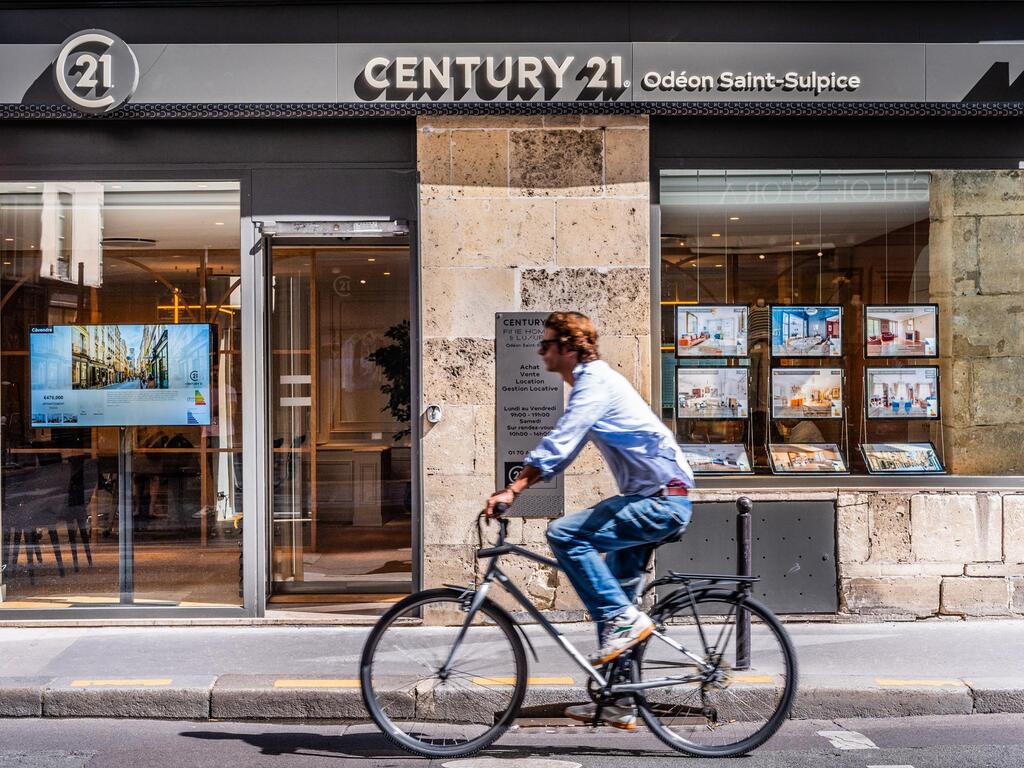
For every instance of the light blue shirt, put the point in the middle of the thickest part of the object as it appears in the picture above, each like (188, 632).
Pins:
(603, 407)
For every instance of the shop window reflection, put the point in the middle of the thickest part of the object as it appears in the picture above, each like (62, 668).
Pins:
(86, 255)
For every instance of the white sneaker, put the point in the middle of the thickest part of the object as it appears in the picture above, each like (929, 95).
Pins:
(620, 715)
(621, 633)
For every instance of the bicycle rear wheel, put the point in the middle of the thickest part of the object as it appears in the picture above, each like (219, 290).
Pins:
(720, 712)
(435, 715)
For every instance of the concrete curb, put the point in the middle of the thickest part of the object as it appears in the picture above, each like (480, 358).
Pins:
(263, 697)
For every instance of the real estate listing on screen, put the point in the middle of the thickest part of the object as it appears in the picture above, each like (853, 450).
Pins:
(120, 375)
(901, 331)
(712, 393)
(807, 393)
(717, 458)
(806, 458)
(902, 393)
(711, 331)
(807, 331)
(901, 458)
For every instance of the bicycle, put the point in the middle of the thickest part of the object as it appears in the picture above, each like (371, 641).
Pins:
(471, 677)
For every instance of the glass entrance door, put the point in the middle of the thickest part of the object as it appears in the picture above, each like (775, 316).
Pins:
(340, 382)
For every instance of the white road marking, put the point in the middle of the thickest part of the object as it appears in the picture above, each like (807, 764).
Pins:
(848, 740)
(519, 762)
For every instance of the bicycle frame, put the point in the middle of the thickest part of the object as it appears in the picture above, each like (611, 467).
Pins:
(495, 574)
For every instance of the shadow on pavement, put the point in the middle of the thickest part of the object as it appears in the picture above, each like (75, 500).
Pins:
(374, 745)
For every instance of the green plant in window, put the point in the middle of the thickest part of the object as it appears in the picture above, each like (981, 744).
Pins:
(395, 362)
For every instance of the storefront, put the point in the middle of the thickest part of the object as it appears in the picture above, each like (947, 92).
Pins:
(256, 263)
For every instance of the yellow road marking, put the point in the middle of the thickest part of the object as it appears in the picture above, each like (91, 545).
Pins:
(755, 679)
(134, 682)
(315, 683)
(530, 680)
(930, 683)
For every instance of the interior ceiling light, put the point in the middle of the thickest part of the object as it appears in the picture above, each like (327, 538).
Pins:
(718, 265)
(128, 242)
(203, 186)
(716, 234)
(734, 218)
(820, 253)
(8, 239)
(371, 259)
(760, 256)
(796, 242)
(31, 186)
(218, 223)
(362, 282)
(387, 274)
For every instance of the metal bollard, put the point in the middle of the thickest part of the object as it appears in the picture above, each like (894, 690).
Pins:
(744, 562)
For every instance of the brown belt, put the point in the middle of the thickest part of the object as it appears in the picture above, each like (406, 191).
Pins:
(673, 490)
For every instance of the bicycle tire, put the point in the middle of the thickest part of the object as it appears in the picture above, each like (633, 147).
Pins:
(770, 667)
(435, 703)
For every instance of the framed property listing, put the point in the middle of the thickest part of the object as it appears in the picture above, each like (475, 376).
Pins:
(711, 331)
(806, 458)
(902, 393)
(717, 458)
(807, 393)
(807, 331)
(901, 458)
(711, 393)
(901, 331)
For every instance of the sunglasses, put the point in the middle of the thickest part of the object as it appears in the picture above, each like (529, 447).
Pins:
(545, 343)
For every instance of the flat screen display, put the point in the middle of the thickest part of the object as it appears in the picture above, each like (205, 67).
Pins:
(807, 331)
(717, 458)
(901, 458)
(806, 458)
(907, 331)
(902, 393)
(712, 393)
(807, 393)
(711, 331)
(120, 375)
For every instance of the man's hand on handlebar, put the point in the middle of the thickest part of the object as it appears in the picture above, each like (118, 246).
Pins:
(504, 496)
(507, 495)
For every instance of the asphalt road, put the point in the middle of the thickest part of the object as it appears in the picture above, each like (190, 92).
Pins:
(992, 741)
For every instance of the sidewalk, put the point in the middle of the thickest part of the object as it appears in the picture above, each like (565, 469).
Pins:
(274, 672)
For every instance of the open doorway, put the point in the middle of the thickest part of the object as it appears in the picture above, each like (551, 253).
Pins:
(341, 522)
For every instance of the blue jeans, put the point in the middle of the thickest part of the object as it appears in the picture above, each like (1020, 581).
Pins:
(624, 527)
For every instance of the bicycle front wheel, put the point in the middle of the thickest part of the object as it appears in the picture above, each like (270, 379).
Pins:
(419, 705)
(712, 709)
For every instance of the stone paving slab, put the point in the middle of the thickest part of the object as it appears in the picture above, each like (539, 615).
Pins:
(22, 696)
(178, 698)
(998, 695)
(262, 697)
(827, 698)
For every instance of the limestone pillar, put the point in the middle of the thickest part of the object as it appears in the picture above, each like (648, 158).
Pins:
(521, 214)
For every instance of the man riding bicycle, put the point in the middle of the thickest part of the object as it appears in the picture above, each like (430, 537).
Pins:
(653, 479)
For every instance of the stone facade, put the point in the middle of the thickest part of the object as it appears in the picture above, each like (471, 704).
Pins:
(521, 214)
(976, 266)
(544, 213)
(918, 554)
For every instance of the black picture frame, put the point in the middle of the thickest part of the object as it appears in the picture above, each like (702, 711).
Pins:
(771, 330)
(689, 448)
(834, 447)
(679, 308)
(714, 369)
(864, 340)
(895, 472)
(794, 369)
(869, 370)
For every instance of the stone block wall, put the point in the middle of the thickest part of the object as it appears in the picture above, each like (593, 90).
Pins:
(976, 265)
(918, 554)
(521, 214)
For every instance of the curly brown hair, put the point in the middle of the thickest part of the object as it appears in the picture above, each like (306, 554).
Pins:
(575, 332)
